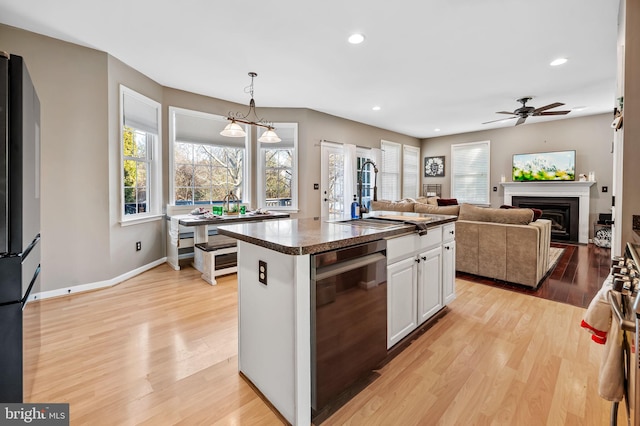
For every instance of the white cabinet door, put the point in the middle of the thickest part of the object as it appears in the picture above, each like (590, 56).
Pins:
(449, 271)
(429, 283)
(401, 300)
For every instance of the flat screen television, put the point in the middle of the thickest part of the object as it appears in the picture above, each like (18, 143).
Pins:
(544, 166)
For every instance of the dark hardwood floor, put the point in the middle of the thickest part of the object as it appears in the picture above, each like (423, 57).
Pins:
(576, 278)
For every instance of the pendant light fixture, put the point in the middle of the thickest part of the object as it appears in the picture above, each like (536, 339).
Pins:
(234, 130)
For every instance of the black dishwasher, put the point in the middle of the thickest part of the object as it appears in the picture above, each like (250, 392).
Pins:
(349, 318)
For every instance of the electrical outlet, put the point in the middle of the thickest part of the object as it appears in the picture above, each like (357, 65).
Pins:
(262, 271)
(138, 245)
(316, 186)
(605, 189)
(495, 189)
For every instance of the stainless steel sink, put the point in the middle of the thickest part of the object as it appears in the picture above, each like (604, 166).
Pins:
(371, 223)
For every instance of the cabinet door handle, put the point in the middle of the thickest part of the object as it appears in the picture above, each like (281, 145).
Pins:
(424, 257)
(451, 232)
(417, 259)
(447, 247)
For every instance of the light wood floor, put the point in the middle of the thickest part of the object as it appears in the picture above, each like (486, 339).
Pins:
(161, 349)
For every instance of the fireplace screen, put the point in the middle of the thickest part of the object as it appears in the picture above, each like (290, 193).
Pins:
(561, 211)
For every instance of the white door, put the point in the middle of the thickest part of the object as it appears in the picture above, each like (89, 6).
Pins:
(332, 182)
(401, 300)
(449, 272)
(429, 283)
(616, 211)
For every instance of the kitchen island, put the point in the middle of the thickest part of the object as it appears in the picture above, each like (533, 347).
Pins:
(276, 302)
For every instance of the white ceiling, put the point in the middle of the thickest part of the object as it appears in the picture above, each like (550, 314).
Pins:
(447, 64)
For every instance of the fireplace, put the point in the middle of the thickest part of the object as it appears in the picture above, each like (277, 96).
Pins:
(563, 212)
(556, 189)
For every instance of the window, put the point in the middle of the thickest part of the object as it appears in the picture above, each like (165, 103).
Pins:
(470, 172)
(390, 171)
(367, 175)
(410, 171)
(278, 169)
(141, 156)
(205, 165)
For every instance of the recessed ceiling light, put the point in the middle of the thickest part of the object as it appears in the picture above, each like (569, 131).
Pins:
(436, 130)
(558, 61)
(376, 108)
(356, 38)
(580, 108)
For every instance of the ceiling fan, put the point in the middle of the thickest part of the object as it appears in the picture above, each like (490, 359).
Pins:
(525, 111)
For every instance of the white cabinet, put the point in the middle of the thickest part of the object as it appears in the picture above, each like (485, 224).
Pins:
(420, 279)
(429, 283)
(401, 300)
(448, 263)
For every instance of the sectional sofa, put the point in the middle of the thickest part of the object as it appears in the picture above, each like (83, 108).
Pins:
(503, 244)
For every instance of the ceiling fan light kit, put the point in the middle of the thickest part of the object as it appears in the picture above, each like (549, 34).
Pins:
(525, 111)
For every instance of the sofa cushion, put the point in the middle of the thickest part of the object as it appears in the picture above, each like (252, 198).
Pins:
(487, 214)
(537, 213)
(447, 202)
(428, 208)
(396, 206)
(428, 200)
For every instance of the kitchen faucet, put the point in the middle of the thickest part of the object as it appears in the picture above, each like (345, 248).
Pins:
(363, 209)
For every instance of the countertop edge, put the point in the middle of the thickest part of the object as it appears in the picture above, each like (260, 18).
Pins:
(330, 245)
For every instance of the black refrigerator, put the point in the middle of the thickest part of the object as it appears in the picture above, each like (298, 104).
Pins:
(19, 226)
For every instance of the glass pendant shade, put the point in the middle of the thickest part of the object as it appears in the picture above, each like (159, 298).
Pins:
(269, 137)
(233, 130)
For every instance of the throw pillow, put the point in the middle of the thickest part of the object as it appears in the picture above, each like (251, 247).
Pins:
(447, 202)
(433, 200)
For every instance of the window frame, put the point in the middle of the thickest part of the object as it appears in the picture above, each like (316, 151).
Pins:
(246, 181)
(261, 170)
(154, 170)
(455, 171)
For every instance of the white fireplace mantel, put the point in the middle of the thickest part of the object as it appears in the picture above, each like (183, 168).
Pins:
(555, 189)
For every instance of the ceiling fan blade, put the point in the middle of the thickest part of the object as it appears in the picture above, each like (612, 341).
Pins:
(506, 112)
(546, 107)
(502, 119)
(552, 113)
(521, 120)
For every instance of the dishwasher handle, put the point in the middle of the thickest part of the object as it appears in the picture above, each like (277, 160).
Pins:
(346, 266)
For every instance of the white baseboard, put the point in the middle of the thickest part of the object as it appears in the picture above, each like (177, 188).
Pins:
(96, 285)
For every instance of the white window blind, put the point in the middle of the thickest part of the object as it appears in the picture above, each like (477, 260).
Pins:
(470, 172)
(390, 171)
(410, 171)
(140, 112)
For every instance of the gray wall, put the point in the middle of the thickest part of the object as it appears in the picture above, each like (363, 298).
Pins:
(71, 82)
(83, 241)
(591, 137)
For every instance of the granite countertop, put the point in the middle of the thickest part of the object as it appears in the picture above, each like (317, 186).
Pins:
(309, 236)
(197, 220)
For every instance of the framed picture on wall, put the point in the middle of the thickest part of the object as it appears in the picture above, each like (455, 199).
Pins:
(434, 166)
